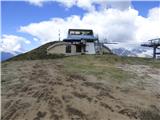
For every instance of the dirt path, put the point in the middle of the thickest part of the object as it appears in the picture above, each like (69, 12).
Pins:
(42, 90)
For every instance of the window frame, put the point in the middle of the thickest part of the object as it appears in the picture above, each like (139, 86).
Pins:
(78, 48)
(68, 49)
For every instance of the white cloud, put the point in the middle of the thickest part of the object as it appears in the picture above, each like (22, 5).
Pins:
(148, 28)
(114, 24)
(35, 39)
(120, 5)
(36, 2)
(86, 4)
(154, 14)
(13, 43)
(112, 19)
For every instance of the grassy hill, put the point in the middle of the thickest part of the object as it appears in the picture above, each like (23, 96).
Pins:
(41, 53)
(84, 87)
(38, 53)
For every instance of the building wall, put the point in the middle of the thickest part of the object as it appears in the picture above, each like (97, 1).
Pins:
(90, 48)
(59, 49)
(73, 49)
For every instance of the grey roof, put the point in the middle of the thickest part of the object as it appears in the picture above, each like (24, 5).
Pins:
(81, 37)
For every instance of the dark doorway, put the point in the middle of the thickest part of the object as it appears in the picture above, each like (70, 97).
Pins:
(68, 49)
(78, 48)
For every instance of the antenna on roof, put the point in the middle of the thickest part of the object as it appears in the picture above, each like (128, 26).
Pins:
(59, 35)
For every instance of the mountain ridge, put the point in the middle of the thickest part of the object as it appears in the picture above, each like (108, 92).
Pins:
(41, 53)
(5, 55)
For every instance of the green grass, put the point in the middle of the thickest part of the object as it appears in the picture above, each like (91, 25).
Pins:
(103, 67)
(114, 59)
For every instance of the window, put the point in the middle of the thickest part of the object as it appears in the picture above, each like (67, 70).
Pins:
(78, 48)
(68, 49)
(80, 32)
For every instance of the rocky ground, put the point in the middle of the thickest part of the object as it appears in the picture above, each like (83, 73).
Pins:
(50, 90)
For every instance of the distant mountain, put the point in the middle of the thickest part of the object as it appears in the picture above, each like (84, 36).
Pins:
(41, 53)
(7, 55)
(123, 52)
(142, 52)
(136, 52)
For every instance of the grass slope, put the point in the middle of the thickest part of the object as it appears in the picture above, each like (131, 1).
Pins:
(88, 87)
(38, 53)
(105, 66)
(41, 53)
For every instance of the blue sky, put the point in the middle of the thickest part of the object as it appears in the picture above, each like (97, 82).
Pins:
(144, 6)
(19, 13)
(15, 14)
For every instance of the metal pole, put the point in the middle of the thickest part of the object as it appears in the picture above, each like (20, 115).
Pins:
(154, 52)
(59, 34)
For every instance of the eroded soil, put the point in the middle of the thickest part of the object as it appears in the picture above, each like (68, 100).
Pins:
(43, 90)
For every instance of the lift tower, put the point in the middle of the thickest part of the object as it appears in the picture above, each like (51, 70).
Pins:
(155, 44)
